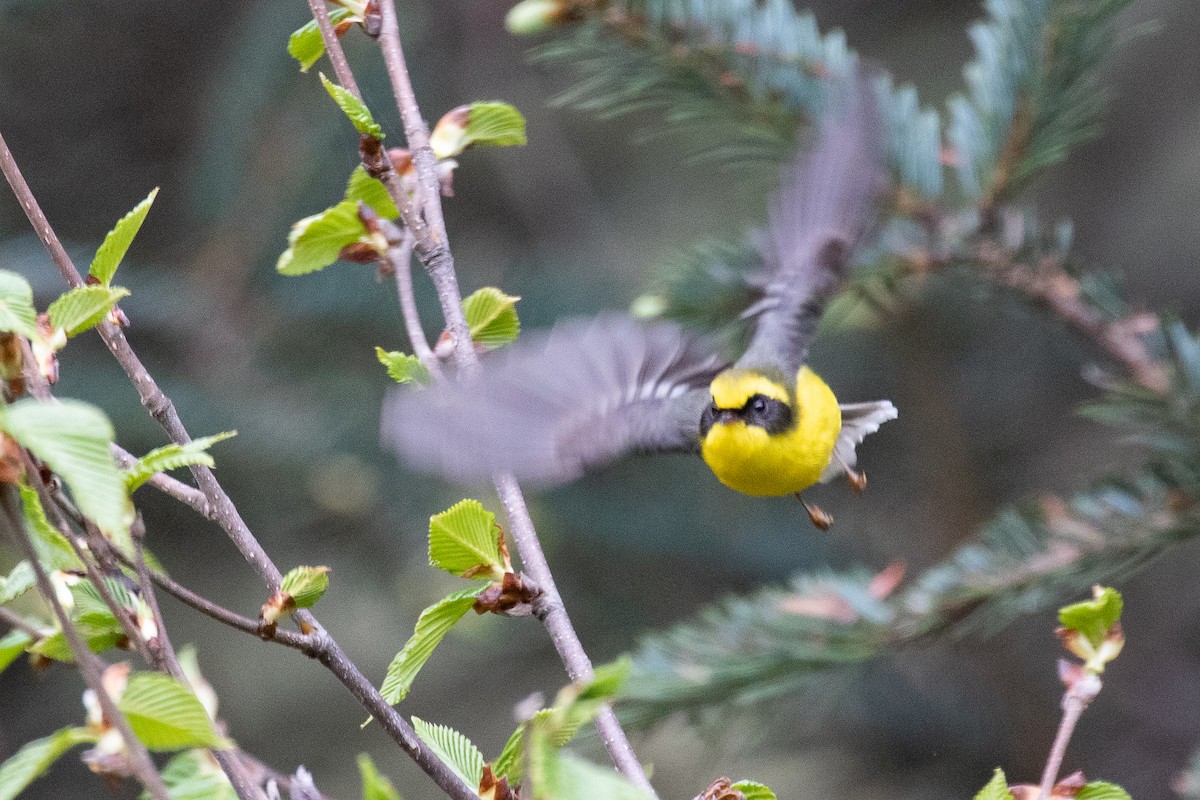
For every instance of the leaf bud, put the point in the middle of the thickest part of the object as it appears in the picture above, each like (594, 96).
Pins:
(530, 17)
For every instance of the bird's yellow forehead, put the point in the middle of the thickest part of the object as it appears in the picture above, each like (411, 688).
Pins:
(733, 387)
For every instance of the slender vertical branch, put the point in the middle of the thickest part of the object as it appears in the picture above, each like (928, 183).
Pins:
(337, 56)
(88, 664)
(439, 263)
(1075, 701)
(400, 260)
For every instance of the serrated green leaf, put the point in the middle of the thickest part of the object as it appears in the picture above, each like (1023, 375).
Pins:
(452, 747)
(1093, 618)
(52, 547)
(117, 241)
(315, 242)
(464, 540)
(508, 763)
(17, 313)
(306, 585)
(371, 191)
(996, 789)
(488, 123)
(492, 316)
(195, 775)
(306, 45)
(375, 786)
(75, 440)
(84, 307)
(31, 761)
(401, 367)
(754, 791)
(353, 108)
(18, 582)
(432, 626)
(12, 644)
(172, 456)
(1102, 790)
(166, 715)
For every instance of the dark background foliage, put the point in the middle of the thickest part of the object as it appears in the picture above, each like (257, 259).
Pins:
(102, 101)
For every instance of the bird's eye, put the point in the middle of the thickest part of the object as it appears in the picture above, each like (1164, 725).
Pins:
(760, 405)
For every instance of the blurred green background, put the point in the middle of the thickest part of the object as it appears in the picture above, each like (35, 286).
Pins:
(102, 101)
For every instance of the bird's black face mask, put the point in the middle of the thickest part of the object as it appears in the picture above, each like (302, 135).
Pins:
(773, 416)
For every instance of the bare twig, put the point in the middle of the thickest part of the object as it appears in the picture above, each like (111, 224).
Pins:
(1075, 701)
(434, 252)
(89, 665)
(19, 623)
(400, 260)
(337, 56)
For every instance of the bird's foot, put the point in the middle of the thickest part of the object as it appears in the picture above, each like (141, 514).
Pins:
(857, 480)
(817, 515)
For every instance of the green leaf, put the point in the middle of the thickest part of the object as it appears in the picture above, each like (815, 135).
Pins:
(306, 585)
(52, 547)
(453, 748)
(116, 243)
(375, 786)
(492, 316)
(997, 788)
(371, 191)
(754, 791)
(559, 775)
(353, 108)
(401, 367)
(490, 123)
(12, 644)
(166, 715)
(465, 541)
(1093, 618)
(195, 775)
(172, 456)
(306, 45)
(316, 242)
(1102, 790)
(606, 681)
(508, 763)
(84, 307)
(75, 440)
(432, 626)
(18, 582)
(17, 313)
(31, 761)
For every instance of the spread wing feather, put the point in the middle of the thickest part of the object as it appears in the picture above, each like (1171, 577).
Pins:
(820, 213)
(858, 420)
(559, 402)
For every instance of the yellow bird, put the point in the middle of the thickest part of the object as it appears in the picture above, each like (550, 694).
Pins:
(589, 391)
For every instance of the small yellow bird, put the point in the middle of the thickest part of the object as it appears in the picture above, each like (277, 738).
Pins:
(589, 391)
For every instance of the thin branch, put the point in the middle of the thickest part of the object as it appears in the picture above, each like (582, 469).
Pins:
(333, 48)
(89, 665)
(439, 263)
(20, 623)
(223, 511)
(1074, 704)
(400, 260)
(172, 487)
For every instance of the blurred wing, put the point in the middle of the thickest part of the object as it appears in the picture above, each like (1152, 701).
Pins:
(821, 211)
(858, 420)
(556, 403)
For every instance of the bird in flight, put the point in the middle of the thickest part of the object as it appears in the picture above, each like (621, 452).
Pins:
(589, 391)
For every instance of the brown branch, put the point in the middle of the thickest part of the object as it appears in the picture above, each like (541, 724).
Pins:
(400, 260)
(434, 251)
(223, 511)
(20, 623)
(1049, 284)
(333, 49)
(88, 664)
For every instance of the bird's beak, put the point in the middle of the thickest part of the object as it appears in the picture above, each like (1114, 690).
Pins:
(726, 416)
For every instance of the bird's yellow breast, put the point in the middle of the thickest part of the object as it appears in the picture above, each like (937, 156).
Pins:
(747, 458)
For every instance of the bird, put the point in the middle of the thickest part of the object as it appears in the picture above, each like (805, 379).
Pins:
(589, 391)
